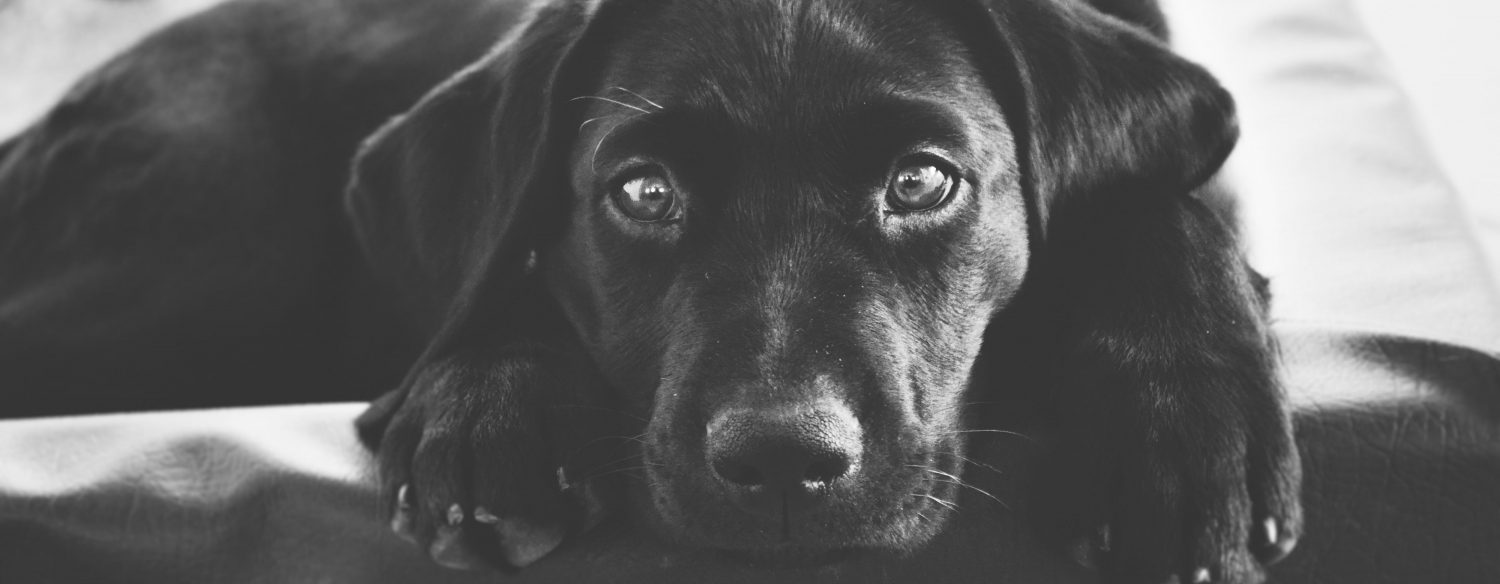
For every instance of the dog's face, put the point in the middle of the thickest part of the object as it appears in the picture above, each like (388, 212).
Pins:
(789, 242)
(781, 228)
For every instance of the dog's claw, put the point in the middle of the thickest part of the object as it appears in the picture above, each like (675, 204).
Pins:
(401, 521)
(523, 542)
(449, 551)
(467, 511)
(1270, 533)
(1271, 543)
(484, 516)
(1101, 539)
(402, 525)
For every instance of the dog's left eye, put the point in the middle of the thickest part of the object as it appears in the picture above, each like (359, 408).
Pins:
(918, 186)
(648, 198)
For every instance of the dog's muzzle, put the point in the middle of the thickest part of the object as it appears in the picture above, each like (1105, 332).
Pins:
(786, 460)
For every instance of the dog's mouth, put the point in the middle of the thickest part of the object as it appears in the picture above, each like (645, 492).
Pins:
(895, 508)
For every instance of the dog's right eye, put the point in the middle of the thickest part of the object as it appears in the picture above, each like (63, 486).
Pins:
(919, 186)
(648, 198)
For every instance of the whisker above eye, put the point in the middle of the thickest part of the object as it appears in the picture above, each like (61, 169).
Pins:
(590, 121)
(639, 96)
(613, 101)
(594, 158)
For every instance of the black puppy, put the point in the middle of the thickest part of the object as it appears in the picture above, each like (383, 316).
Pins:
(781, 233)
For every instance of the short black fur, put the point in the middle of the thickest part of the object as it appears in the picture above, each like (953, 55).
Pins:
(782, 364)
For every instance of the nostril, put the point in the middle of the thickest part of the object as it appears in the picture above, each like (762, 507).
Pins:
(794, 451)
(781, 468)
(826, 469)
(740, 474)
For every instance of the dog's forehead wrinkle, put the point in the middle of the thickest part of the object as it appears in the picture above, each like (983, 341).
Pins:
(779, 120)
(769, 53)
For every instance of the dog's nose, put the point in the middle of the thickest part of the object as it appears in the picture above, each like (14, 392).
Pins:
(786, 458)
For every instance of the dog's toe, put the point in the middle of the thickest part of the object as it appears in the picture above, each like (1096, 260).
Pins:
(472, 454)
(471, 469)
(402, 522)
(1197, 510)
(1275, 481)
(1272, 542)
(523, 542)
(450, 548)
(1219, 516)
(1222, 560)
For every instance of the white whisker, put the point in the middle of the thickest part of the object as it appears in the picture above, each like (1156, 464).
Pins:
(943, 477)
(993, 431)
(639, 96)
(613, 101)
(590, 121)
(594, 159)
(947, 504)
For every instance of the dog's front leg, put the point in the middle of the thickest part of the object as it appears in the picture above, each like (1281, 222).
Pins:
(484, 451)
(1181, 439)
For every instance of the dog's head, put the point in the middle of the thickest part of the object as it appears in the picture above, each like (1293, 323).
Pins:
(781, 227)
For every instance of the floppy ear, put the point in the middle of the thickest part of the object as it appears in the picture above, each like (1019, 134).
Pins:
(447, 200)
(1107, 110)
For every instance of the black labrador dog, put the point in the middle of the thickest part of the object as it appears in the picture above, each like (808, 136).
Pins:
(759, 248)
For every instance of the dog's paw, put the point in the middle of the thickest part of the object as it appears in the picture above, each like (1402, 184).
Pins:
(478, 458)
(1196, 484)
(1209, 498)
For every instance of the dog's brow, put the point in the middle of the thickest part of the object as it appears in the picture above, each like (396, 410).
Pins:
(594, 159)
(636, 127)
(883, 124)
(916, 116)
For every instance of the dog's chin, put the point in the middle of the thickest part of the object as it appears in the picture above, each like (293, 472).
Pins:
(902, 504)
(788, 556)
(811, 552)
(907, 527)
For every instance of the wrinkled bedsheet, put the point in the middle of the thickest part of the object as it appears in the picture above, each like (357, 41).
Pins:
(1400, 438)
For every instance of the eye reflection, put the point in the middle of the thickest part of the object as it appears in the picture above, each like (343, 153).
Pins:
(648, 198)
(915, 187)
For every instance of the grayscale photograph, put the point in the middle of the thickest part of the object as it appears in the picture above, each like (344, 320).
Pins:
(749, 291)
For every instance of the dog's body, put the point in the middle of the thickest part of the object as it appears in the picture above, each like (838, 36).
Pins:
(174, 224)
(776, 235)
